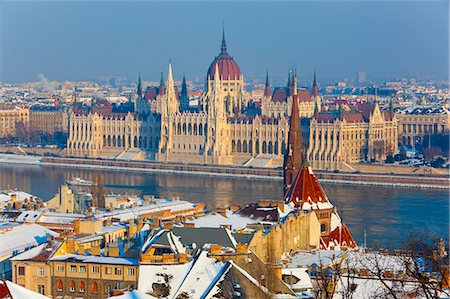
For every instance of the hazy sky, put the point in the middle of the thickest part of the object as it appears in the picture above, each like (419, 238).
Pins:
(83, 41)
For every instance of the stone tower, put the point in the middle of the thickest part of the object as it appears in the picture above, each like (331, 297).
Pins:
(294, 152)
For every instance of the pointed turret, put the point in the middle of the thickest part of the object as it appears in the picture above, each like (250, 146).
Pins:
(223, 46)
(294, 151)
(267, 87)
(184, 98)
(161, 88)
(170, 82)
(139, 87)
(315, 89)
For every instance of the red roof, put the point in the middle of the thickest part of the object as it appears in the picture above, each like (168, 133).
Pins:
(340, 236)
(306, 188)
(280, 94)
(324, 117)
(367, 110)
(228, 68)
(353, 117)
(151, 93)
(303, 96)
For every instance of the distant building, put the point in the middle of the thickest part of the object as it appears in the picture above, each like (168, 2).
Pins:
(361, 77)
(11, 118)
(414, 123)
(334, 138)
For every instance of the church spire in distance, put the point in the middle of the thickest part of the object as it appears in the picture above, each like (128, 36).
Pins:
(267, 87)
(139, 86)
(223, 46)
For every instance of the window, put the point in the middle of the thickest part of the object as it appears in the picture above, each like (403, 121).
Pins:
(119, 285)
(118, 271)
(82, 269)
(40, 272)
(59, 285)
(130, 271)
(73, 268)
(95, 269)
(60, 268)
(41, 289)
(82, 287)
(94, 287)
(72, 286)
(323, 228)
(108, 270)
(21, 270)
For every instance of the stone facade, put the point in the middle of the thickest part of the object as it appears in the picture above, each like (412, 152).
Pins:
(10, 117)
(338, 137)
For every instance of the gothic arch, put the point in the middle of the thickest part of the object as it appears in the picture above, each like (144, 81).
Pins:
(239, 146)
(244, 146)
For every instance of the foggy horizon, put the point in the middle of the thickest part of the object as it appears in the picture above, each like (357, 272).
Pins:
(81, 41)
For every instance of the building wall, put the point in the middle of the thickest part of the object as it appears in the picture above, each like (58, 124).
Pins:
(48, 122)
(101, 277)
(411, 126)
(9, 117)
(36, 276)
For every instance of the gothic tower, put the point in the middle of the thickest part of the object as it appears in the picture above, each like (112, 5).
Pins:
(184, 98)
(315, 97)
(294, 153)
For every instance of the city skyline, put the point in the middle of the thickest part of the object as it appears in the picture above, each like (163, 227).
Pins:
(86, 41)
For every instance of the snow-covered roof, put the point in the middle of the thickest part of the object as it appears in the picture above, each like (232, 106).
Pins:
(134, 294)
(318, 257)
(304, 280)
(15, 291)
(29, 216)
(96, 259)
(20, 195)
(23, 237)
(236, 221)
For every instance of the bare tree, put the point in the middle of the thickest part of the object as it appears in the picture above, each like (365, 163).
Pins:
(98, 191)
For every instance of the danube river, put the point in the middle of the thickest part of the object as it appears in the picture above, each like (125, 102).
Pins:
(387, 214)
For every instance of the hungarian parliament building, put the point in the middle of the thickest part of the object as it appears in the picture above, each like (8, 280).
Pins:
(161, 126)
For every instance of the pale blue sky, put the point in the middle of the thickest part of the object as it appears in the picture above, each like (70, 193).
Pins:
(85, 40)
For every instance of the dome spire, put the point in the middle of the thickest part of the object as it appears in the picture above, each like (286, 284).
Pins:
(223, 47)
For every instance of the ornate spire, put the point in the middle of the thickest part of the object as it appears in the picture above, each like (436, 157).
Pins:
(267, 88)
(294, 153)
(184, 86)
(139, 86)
(223, 47)
(315, 89)
(161, 89)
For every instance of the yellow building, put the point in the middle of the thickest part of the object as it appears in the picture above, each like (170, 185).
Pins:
(416, 122)
(48, 120)
(32, 270)
(10, 117)
(338, 137)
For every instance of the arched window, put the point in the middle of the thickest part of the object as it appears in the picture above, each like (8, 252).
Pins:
(239, 147)
(189, 129)
(114, 141)
(109, 140)
(119, 141)
(195, 129)
(72, 286)
(178, 129)
(233, 146)
(270, 147)
(59, 285)
(184, 129)
(135, 141)
(244, 146)
(264, 147)
(323, 228)
(200, 129)
(82, 287)
(94, 287)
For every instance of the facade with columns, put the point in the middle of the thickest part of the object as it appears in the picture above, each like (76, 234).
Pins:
(338, 137)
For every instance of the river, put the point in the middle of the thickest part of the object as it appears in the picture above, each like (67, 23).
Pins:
(387, 214)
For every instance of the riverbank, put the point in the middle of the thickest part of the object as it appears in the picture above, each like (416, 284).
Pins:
(368, 179)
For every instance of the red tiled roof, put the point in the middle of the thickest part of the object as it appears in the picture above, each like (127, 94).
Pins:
(280, 94)
(340, 236)
(325, 117)
(228, 68)
(353, 117)
(151, 93)
(367, 110)
(303, 96)
(306, 188)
